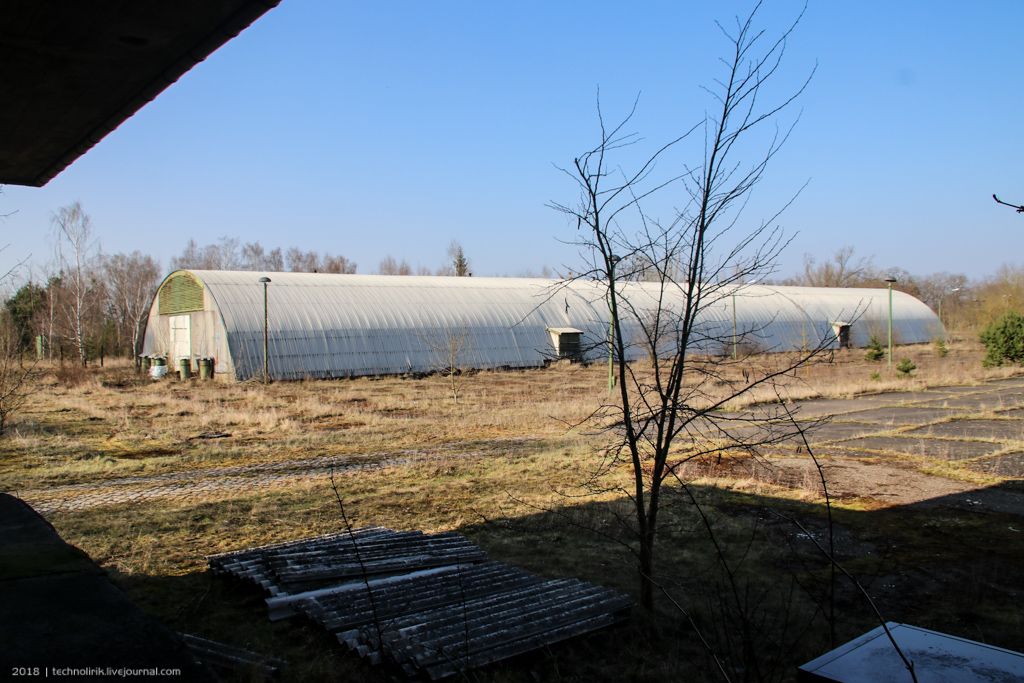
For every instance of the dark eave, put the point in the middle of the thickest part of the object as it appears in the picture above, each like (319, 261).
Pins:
(71, 72)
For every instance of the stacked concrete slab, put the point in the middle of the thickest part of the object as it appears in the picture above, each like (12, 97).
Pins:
(428, 605)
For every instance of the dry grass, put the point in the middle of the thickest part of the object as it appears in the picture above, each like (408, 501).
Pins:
(501, 462)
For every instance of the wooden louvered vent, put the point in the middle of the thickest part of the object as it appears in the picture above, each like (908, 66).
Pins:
(180, 294)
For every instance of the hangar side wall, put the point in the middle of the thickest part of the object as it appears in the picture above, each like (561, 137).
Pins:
(325, 325)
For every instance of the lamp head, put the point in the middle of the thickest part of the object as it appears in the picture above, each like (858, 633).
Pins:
(265, 279)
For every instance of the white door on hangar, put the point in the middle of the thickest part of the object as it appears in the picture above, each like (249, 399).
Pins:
(181, 336)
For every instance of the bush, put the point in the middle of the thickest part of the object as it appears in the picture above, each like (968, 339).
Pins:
(905, 367)
(940, 347)
(1004, 340)
(874, 352)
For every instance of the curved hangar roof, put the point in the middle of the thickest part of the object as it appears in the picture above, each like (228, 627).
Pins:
(326, 325)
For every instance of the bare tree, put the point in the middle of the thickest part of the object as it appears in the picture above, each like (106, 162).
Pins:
(255, 257)
(224, 255)
(300, 261)
(77, 248)
(844, 269)
(448, 347)
(16, 377)
(131, 280)
(665, 413)
(389, 266)
(336, 264)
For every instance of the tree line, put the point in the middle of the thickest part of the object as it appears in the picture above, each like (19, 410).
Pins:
(87, 305)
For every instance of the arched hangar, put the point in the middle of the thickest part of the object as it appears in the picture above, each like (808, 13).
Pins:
(327, 325)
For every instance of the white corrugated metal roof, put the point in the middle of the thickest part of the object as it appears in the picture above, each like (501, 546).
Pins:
(341, 325)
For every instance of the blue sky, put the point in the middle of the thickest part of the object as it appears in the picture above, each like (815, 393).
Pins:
(370, 129)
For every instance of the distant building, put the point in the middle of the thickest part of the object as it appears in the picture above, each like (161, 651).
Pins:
(326, 325)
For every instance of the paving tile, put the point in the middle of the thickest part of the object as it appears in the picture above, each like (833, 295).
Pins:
(944, 449)
(891, 416)
(1006, 465)
(892, 398)
(979, 402)
(959, 389)
(835, 431)
(997, 430)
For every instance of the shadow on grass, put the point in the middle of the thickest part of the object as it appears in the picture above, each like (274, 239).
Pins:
(945, 564)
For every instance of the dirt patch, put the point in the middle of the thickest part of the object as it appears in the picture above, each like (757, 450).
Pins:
(995, 430)
(893, 485)
(847, 478)
(944, 449)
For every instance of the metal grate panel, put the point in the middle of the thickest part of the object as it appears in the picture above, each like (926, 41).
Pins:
(181, 293)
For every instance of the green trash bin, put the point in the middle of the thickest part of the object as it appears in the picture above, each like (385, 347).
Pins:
(205, 368)
(184, 369)
(144, 363)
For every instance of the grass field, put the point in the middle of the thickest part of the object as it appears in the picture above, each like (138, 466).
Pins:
(503, 465)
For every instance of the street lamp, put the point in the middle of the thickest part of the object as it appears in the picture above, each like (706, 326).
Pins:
(734, 353)
(612, 260)
(266, 362)
(890, 280)
(735, 336)
(941, 296)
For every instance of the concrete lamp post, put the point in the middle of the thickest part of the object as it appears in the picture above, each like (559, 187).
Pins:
(941, 297)
(890, 280)
(266, 360)
(735, 335)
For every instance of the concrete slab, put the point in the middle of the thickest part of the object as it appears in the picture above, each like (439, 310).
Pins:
(893, 398)
(994, 430)
(1007, 382)
(831, 406)
(958, 389)
(893, 416)
(837, 431)
(943, 449)
(1006, 465)
(991, 400)
(937, 657)
(58, 610)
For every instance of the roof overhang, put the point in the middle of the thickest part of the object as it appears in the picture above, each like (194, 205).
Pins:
(71, 72)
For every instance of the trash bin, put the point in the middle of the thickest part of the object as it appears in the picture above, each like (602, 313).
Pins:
(184, 369)
(205, 368)
(159, 368)
(144, 363)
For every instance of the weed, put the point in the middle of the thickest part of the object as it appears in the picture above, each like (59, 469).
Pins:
(874, 351)
(905, 367)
